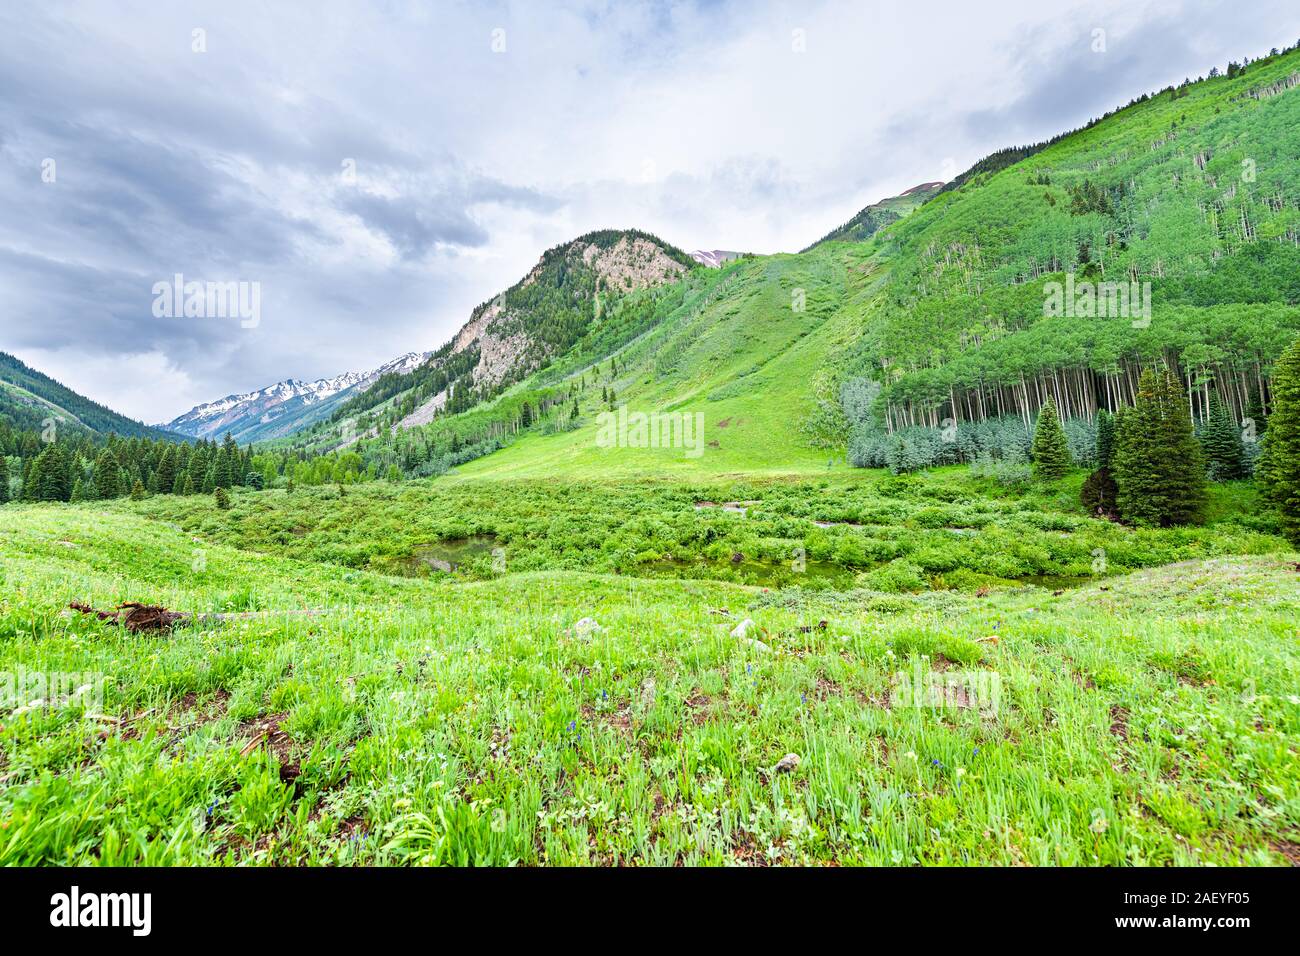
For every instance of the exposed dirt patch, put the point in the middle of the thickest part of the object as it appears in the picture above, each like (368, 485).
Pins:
(1119, 721)
(700, 708)
(746, 851)
(266, 732)
(1288, 849)
(825, 687)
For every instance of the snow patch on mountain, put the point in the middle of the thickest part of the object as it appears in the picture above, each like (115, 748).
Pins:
(214, 418)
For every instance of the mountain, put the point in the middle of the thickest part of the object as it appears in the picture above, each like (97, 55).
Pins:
(1189, 197)
(30, 399)
(285, 407)
(570, 292)
(932, 305)
(875, 217)
(714, 258)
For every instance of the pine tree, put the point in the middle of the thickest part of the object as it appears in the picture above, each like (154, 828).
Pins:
(106, 476)
(4, 479)
(78, 491)
(1105, 438)
(137, 490)
(165, 475)
(188, 487)
(1279, 467)
(1183, 461)
(1221, 441)
(1157, 462)
(221, 499)
(1051, 452)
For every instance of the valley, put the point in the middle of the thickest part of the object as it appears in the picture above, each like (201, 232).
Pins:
(941, 572)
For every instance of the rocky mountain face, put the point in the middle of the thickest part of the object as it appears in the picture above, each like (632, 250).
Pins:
(284, 407)
(517, 332)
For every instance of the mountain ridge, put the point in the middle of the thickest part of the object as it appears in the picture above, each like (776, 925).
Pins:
(282, 403)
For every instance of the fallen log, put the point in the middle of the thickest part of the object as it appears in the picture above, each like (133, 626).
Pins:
(135, 616)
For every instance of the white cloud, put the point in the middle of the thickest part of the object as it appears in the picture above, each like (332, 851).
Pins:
(701, 122)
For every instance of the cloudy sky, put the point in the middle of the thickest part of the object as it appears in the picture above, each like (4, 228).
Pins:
(380, 168)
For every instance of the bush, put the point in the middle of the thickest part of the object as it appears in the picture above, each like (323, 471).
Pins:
(1098, 493)
(897, 577)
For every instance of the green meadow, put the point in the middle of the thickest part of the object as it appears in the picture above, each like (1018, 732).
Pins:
(964, 678)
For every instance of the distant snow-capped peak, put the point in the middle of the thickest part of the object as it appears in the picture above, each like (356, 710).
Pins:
(197, 420)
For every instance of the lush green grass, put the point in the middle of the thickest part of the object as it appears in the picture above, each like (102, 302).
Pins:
(944, 530)
(1142, 719)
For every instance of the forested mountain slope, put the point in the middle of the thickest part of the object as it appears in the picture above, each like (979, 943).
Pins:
(1189, 199)
(28, 399)
(1195, 190)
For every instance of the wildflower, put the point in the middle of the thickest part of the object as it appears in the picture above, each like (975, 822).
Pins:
(961, 771)
(910, 755)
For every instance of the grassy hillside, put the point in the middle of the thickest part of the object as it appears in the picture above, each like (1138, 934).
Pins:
(1147, 719)
(1194, 190)
(877, 216)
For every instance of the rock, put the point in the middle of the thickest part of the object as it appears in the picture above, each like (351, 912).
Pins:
(586, 627)
(741, 630)
(787, 763)
(757, 645)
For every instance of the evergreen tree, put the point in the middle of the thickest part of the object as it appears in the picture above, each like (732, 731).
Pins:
(1051, 452)
(221, 498)
(165, 475)
(4, 479)
(1105, 438)
(1157, 462)
(1279, 467)
(78, 491)
(31, 474)
(107, 484)
(137, 490)
(1221, 441)
(188, 487)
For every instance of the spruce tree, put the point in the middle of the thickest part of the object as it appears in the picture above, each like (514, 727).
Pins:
(165, 476)
(106, 476)
(221, 498)
(1051, 452)
(1221, 441)
(1279, 467)
(137, 490)
(1157, 463)
(78, 491)
(1183, 461)
(4, 479)
(1105, 438)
